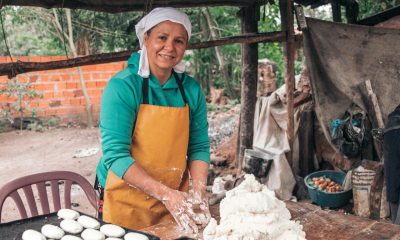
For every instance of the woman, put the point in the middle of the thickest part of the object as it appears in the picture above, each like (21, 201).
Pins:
(154, 132)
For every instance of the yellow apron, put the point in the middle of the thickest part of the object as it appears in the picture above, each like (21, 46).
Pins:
(159, 144)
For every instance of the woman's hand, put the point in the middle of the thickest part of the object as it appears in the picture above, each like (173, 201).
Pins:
(201, 209)
(181, 208)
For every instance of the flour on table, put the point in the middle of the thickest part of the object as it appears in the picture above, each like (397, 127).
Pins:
(251, 211)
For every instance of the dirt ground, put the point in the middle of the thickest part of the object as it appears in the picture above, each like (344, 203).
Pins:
(28, 152)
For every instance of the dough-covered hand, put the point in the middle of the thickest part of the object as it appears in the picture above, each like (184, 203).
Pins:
(199, 201)
(181, 208)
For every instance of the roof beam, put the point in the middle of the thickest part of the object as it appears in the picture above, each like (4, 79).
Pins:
(380, 17)
(13, 69)
(113, 6)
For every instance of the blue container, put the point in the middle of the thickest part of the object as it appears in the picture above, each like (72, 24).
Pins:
(326, 199)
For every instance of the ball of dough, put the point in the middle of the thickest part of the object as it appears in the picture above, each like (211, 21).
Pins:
(71, 226)
(88, 222)
(32, 235)
(70, 237)
(112, 238)
(51, 231)
(92, 234)
(135, 236)
(112, 230)
(67, 214)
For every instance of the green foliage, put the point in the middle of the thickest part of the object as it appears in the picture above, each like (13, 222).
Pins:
(368, 8)
(35, 126)
(23, 94)
(53, 121)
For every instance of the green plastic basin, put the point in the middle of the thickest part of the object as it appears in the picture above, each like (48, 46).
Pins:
(326, 199)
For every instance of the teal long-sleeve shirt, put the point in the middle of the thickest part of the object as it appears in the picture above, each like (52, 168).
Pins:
(119, 107)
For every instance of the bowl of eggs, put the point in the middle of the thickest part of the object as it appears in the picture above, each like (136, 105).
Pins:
(325, 188)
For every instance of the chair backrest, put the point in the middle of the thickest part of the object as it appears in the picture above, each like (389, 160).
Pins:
(40, 179)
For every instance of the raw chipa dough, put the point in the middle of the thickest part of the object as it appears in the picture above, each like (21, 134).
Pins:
(92, 234)
(70, 237)
(135, 236)
(252, 212)
(32, 235)
(88, 222)
(71, 226)
(111, 230)
(51, 231)
(67, 214)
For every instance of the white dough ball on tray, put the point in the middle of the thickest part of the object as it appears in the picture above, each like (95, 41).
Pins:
(70, 237)
(32, 235)
(135, 236)
(66, 213)
(92, 234)
(51, 231)
(111, 230)
(88, 222)
(71, 226)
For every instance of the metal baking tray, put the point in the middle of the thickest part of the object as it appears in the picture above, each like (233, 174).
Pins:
(13, 230)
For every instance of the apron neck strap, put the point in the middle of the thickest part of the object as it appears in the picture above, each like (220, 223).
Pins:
(179, 81)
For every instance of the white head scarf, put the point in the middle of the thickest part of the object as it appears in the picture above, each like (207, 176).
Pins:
(153, 18)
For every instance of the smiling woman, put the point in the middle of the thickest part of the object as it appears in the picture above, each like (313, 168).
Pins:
(166, 44)
(154, 132)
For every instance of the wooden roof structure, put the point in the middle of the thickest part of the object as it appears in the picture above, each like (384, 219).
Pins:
(248, 15)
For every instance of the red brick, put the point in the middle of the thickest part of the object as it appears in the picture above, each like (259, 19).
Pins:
(55, 78)
(58, 94)
(33, 78)
(96, 76)
(43, 104)
(90, 84)
(55, 103)
(65, 102)
(34, 104)
(60, 86)
(66, 77)
(75, 101)
(78, 93)
(68, 94)
(49, 112)
(71, 85)
(101, 84)
(48, 95)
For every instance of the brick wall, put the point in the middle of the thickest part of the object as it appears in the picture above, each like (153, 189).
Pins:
(61, 89)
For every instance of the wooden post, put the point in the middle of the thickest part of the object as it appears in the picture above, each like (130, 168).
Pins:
(249, 18)
(286, 10)
(378, 182)
(336, 12)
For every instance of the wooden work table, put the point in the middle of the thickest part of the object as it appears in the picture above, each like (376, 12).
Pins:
(317, 223)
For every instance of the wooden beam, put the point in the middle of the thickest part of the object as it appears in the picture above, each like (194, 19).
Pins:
(286, 8)
(380, 17)
(249, 18)
(336, 12)
(13, 69)
(112, 6)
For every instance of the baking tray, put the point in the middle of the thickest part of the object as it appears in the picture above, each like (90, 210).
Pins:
(13, 230)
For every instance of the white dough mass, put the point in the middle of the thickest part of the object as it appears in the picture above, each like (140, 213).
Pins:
(252, 212)
(88, 222)
(135, 236)
(51, 231)
(32, 235)
(92, 234)
(70, 237)
(71, 226)
(111, 230)
(67, 214)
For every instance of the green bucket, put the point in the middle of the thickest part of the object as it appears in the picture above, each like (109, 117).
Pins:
(328, 199)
